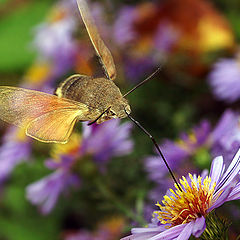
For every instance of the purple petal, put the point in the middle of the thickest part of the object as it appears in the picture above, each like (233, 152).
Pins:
(231, 173)
(140, 236)
(165, 38)
(153, 229)
(106, 140)
(11, 154)
(186, 232)
(217, 168)
(170, 233)
(156, 168)
(234, 194)
(224, 80)
(226, 124)
(123, 31)
(46, 191)
(222, 199)
(199, 227)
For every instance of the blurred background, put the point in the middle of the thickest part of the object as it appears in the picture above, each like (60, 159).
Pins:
(109, 177)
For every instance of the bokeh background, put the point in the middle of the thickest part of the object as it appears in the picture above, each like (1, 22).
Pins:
(109, 177)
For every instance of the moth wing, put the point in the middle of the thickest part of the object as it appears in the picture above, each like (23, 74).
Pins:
(55, 126)
(28, 109)
(100, 47)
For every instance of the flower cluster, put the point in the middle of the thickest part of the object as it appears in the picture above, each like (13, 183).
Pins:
(99, 142)
(183, 211)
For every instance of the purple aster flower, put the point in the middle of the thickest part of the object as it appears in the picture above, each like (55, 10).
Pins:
(46, 192)
(137, 67)
(54, 40)
(224, 79)
(123, 27)
(16, 148)
(99, 141)
(165, 38)
(177, 152)
(225, 137)
(183, 213)
(106, 140)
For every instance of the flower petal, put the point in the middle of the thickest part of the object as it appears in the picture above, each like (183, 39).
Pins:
(169, 234)
(220, 200)
(235, 193)
(139, 236)
(199, 227)
(153, 229)
(186, 232)
(216, 170)
(230, 174)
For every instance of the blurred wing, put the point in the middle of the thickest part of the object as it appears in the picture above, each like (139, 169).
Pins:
(101, 49)
(32, 109)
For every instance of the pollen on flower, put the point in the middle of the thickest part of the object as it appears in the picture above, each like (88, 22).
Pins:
(187, 205)
(70, 148)
(185, 144)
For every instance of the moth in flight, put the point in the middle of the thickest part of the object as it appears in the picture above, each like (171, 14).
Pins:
(51, 118)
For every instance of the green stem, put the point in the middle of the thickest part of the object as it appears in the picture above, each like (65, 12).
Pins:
(126, 210)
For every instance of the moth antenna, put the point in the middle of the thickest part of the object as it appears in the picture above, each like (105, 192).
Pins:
(144, 81)
(98, 117)
(157, 147)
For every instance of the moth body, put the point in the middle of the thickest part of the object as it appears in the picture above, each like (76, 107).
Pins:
(99, 94)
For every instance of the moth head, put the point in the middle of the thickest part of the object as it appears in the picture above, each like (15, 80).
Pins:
(116, 110)
(119, 109)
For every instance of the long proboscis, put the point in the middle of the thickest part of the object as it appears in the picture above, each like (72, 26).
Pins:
(156, 146)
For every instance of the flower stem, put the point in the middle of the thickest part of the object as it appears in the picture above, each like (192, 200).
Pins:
(108, 194)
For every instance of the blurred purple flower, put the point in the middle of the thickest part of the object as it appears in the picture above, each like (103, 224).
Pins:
(45, 192)
(165, 38)
(98, 12)
(16, 148)
(54, 41)
(106, 140)
(101, 142)
(224, 79)
(123, 27)
(177, 152)
(183, 213)
(136, 68)
(226, 135)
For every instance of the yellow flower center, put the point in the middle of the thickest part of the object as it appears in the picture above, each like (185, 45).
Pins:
(70, 148)
(186, 144)
(187, 205)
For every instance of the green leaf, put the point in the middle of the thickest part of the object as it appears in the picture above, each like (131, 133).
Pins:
(16, 31)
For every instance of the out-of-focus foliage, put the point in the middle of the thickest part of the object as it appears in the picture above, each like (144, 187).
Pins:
(16, 30)
(109, 177)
